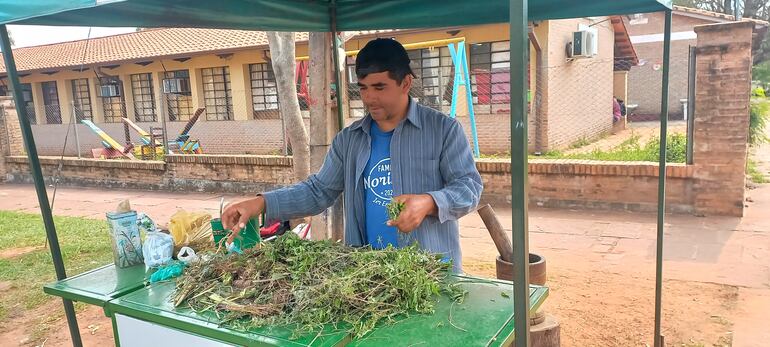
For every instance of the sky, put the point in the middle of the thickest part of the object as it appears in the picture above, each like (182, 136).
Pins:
(34, 35)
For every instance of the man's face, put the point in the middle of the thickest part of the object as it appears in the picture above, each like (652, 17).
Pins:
(382, 95)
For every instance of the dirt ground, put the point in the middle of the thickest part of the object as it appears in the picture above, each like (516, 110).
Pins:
(595, 308)
(603, 308)
(22, 329)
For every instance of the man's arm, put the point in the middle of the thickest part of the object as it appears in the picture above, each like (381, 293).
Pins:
(312, 195)
(463, 188)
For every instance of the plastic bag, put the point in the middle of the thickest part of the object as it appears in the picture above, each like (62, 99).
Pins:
(187, 227)
(157, 249)
(145, 223)
(167, 272)
(187, 255)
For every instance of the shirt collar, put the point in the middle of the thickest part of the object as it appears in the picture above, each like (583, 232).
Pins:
(412, 115)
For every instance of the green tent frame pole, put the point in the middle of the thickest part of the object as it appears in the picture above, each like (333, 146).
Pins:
(37, 175)
(519, 48)
(662, 179)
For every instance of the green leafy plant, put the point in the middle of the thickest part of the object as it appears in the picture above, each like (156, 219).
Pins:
(312, 285)
(755, 175)
(394, 209)
(758, 120)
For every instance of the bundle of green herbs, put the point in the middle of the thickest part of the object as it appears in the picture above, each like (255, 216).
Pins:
(394, 209)
(312, 284)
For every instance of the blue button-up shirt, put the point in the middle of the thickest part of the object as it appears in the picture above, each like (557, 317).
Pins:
(429, 154)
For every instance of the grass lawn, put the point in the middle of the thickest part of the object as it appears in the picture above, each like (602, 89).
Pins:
(25, 262)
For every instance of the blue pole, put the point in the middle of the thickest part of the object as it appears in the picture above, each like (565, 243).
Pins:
(462, 77)
(456, 84)
(469, 95)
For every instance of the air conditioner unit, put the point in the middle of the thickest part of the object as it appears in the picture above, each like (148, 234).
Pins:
(109, 90)
(176, 85)
(584, 43)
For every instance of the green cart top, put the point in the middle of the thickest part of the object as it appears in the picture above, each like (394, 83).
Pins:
(485, 318)
(98, 286)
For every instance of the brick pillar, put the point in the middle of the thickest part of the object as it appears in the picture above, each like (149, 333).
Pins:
(11, 142)
(723, 83)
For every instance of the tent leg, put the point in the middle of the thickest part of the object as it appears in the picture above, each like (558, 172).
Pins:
(37, 175)
(662, 178)
(519, 151)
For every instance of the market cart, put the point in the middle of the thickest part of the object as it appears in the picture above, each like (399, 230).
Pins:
(143, 315)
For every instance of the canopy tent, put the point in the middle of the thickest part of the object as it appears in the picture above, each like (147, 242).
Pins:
(348, 15)
(303, 15)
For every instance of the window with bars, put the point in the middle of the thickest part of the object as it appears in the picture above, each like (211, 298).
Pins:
(435, 77)
(81, 95)
(264, 92)
(51, 102)
(114, 104)
(180, 106)
(217, 93)
(355, 105)
(144, 98)
(29, 104)
(26, 91)
(490, 75)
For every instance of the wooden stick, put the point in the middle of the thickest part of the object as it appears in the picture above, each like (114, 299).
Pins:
(499, 235)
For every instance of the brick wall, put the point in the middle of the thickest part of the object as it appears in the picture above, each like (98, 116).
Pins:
(92, 172)
(553, 183)
(580, 92)
(233, 174)
(209, 173)
(591, 184)
(722, 116)
(494, 132)
(644, 81)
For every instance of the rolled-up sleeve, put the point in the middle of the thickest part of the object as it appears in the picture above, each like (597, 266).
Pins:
(462, 191)
(313, 195)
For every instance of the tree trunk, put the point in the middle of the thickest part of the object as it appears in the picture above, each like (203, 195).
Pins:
(282, 54)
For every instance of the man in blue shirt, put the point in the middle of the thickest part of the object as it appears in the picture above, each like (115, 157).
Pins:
(399, 151)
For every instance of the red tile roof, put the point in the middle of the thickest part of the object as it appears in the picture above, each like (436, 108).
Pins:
(716, 15)
(142, 45)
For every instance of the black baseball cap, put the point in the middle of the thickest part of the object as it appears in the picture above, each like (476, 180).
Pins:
(381, 55)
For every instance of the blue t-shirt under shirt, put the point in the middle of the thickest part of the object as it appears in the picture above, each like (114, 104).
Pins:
(378, 188)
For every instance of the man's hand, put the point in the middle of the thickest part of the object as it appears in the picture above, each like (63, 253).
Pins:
(235, 216)
(417, 207)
